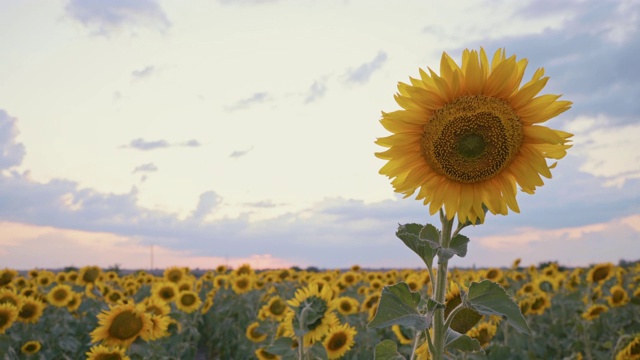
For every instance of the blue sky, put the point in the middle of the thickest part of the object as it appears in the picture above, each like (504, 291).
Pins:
(226, 132)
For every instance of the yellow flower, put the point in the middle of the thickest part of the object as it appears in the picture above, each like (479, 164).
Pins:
(539, 302)
(6, 276)
(276, 308)
(483, 333)
(174, 274)
(31, 347)
(156, 306)
(322, 307)
(400, 334)
(60, 295)
(594, 311)
(10, 297)
(254, 334)
(339, 340)
(159, 326)
(165, 290)
(8, 314)
(242, 283)
(619, 296)
(31, 310)
(347, 305)
(121, 325)
(188, 301)
(631, 351)
(600, 273)
(75, 302)
(101, 352)
(89, 275)
(263, 354)
(467, 136)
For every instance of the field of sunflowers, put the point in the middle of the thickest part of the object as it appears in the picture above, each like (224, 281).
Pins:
(178, 313)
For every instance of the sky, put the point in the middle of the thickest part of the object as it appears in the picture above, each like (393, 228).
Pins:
(159, 133)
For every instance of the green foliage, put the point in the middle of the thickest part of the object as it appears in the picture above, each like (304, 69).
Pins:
(489, 298)
(387, 350)
(399, 305)
(423, 240)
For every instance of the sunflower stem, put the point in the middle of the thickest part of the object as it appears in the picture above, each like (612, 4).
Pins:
(415, 345)
(439, 328)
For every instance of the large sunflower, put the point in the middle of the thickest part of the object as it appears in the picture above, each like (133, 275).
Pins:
(339, 340)
(121, 325)
(466, 137)
(101, 352)
(8, 314)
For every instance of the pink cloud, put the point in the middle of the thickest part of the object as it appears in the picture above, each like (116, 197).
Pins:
(25, 247)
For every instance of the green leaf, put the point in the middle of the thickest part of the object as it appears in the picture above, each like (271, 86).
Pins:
(399, 305)
(427, 307)
(282, 346)
(387, 350)
(489, 298)
(318, 352)
(458, 246)
(410, 235)
(431, 235)
(455, 340)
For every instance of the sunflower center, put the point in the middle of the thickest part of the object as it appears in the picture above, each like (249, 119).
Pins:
(600, 274)
(27, 311)
(188, 299)
(60, 295)
(337, 341)
(618, 296)
(345, 306)
(472, 138)
(277, 307)
(125, 326)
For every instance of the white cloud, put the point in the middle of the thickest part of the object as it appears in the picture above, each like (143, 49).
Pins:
(106, 16)
(11, 151)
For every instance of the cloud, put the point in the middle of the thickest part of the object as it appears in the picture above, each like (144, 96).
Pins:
(208, 202)
(143, 73)
(240, 153)
(191, 143)
(263, 204)
(246, 2)
(145, 168)
(144, 145)
(11, 152)
(256, 98)
(362, 73)
(107, 16)
(316, 91)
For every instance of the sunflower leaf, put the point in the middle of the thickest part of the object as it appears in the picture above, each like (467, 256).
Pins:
(387, 350)
(458, 246)
(489, 298)
(399, 305)
(410, 235)
(431, 235)
(318, 352)
(455, 340)
(282, 346)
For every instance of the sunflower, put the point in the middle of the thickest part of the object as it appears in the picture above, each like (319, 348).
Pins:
(8, 314)
(221, 281)
(467, 136)
(156, 306)
(88, 275)
(9, 297)
(539, 303)
(6, 276)
(494, 274)
(114, 296)
(45, 278)
(31, 310)
(347, 305)
(619, 296)
(121, 325)
(319, 305)
(159, 326)
(600, 273)
(483, 333)
(594, 311)
(101, 352)
(31, 347)
(403, 335)
(60, 295)
(263, 354)
(276, 308)
(165, 290)
(206, 305)
(631, 351)
(174, 274)
(339, 340)
(188, 301)
(75, 302)
(254, 334)
(242, 283)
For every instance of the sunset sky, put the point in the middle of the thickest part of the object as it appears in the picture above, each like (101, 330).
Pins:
(242, 131)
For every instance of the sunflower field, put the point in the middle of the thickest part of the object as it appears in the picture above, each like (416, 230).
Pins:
(178, 313)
